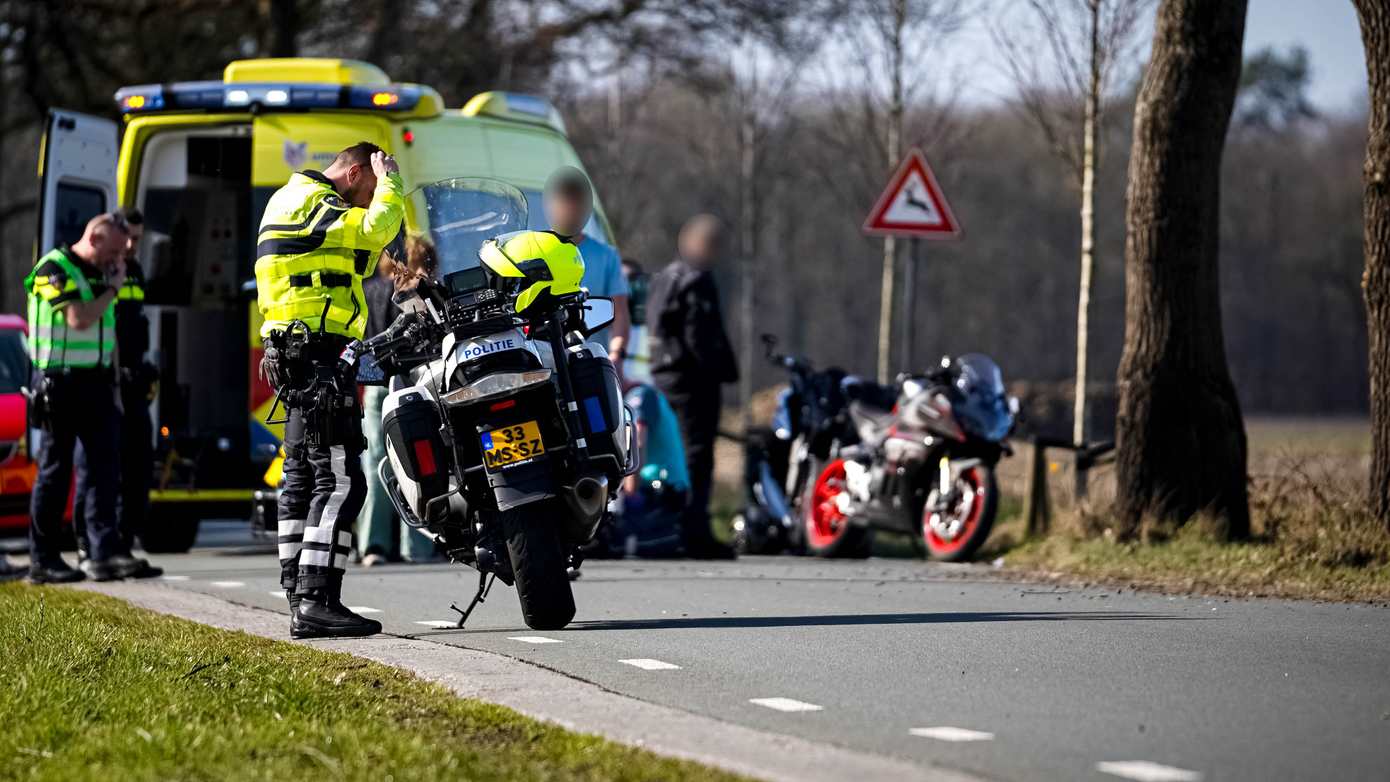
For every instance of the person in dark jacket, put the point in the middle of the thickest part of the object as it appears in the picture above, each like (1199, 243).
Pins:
(690, 359)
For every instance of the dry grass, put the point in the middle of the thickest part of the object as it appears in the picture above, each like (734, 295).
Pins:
(1312, 536)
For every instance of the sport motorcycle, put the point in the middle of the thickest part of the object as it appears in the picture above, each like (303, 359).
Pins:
(920, 460)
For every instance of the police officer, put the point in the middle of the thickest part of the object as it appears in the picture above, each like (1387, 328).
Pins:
(321, 234)
(72, 342)
(138, 381)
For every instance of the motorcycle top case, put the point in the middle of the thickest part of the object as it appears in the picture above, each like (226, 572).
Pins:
(411, 424)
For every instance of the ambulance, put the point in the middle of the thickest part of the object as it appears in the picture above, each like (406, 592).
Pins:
(200, 160)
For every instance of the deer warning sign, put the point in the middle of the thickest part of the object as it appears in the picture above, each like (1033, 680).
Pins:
(912, 204)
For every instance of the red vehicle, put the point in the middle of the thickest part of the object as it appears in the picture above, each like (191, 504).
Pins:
(17, 470)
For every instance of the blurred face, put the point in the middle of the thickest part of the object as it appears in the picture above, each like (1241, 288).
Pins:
(361, 182)
(110, 245)
(132, 245)
(566, 212)
(699, 246)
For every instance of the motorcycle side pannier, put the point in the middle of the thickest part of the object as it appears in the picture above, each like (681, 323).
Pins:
(419, 458)
(600, 406)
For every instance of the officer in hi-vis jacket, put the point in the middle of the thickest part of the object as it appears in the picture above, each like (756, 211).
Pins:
(321, 234)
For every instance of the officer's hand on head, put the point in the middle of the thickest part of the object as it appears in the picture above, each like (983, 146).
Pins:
(383, 164)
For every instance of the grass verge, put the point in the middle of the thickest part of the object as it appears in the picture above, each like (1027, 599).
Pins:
(96, 689)
(1312, 537)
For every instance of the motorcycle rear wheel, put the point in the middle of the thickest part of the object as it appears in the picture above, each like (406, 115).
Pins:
(827, 531)
(539, 563)
(974, 513)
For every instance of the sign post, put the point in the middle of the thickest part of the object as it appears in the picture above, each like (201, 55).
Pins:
(912, 206)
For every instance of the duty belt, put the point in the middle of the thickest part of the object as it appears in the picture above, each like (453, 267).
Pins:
(321, 280)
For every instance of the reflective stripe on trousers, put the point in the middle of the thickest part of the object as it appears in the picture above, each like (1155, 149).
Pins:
(323, 492)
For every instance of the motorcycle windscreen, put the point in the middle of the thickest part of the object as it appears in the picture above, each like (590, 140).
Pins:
(458, 215)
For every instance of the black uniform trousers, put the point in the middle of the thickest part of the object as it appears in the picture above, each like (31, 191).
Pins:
(81, 409)
(323, 492)
(135, 472)
(697, 409)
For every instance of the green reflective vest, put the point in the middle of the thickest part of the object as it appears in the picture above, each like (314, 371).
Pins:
(314, 248)
(58, 279)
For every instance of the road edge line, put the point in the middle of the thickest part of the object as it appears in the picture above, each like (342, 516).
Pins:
(551, 696)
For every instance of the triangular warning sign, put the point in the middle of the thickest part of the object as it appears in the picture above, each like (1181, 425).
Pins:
(912, 204)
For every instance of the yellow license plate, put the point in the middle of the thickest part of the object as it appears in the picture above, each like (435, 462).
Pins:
(511, 444)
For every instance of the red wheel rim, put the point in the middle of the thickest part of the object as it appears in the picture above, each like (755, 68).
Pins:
(825, 522)
(973, 492)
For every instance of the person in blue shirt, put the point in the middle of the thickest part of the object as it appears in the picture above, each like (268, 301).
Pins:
(569, 200)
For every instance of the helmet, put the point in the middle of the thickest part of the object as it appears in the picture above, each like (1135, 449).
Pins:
(540, 261)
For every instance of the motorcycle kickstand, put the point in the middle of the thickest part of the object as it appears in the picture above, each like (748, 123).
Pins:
(485, 582)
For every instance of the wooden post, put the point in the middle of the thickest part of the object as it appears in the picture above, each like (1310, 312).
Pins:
(1037, 510)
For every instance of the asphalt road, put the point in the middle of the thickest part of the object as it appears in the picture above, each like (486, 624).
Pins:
(932, 663)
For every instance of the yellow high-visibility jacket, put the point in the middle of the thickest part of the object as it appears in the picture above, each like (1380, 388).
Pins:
(315, 248)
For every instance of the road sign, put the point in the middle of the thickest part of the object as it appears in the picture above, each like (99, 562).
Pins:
(912, 204)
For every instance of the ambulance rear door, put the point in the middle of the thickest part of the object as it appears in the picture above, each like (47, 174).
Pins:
(77, 172)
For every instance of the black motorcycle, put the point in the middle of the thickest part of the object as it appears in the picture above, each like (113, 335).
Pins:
(920, 460)
(811, 415)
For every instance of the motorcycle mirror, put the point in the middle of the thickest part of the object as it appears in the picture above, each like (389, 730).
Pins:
(598, 313)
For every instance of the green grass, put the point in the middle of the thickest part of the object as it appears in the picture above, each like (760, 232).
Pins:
(92, 688)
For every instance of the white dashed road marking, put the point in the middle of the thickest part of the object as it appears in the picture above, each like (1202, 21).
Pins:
(785, 704)
(1144, 771)
(437, 623)
(534, 639)
(175, 578)
(276, 593)
(948, 733)
(650, 665)
(364, 610)
(228, 584)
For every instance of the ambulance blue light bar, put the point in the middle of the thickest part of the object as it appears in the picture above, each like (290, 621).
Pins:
(216, 95)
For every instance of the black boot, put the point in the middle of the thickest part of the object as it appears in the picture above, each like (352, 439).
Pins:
(323, 615)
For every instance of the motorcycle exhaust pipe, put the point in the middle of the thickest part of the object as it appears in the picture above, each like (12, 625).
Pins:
(587, 499)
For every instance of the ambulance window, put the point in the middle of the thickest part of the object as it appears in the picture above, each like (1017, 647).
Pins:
(75, 205)
(535, 216)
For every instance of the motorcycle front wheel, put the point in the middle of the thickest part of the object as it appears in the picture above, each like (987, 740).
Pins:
(955, 533)
(539, 563)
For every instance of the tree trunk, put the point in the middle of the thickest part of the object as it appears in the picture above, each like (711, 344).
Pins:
(1181, 441)
(748, 246)
(284, 28)
(1375, 283)
(895, 135)
(1090, 132)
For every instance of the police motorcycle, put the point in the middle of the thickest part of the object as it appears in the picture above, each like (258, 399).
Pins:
(811, 415)
(506, 433)
(920, 460)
